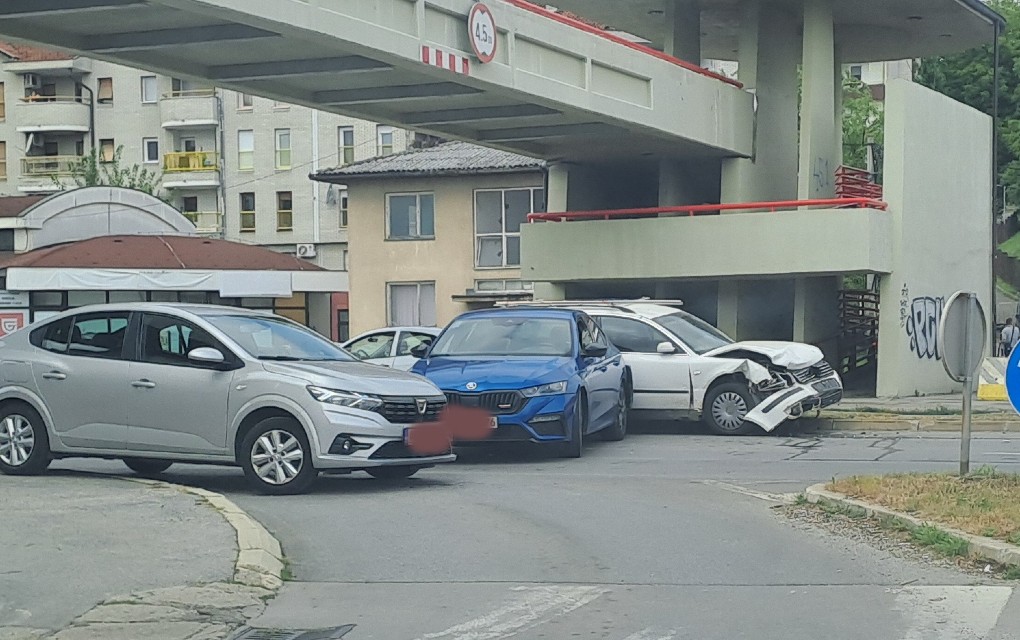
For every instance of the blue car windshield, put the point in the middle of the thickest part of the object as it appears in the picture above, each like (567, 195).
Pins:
(269, 338)
(506, 336)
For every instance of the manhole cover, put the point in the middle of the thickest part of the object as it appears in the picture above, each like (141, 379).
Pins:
(333, 633)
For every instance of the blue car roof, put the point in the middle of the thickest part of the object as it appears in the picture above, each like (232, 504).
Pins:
(566, 314)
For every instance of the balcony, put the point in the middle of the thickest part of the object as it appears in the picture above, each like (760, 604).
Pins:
(52, 113)
(206, 222)
(45, 174)
(191, 170)
(760, 239)
(189, 109)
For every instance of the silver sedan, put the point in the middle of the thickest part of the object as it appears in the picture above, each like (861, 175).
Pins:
(155, 384)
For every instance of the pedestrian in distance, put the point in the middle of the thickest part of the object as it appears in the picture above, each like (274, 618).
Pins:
(1008, 338)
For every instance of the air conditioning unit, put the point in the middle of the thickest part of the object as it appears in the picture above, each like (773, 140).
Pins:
(306, 251)
(32, 81)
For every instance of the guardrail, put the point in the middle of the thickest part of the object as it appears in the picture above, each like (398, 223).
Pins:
(205, 221)
(49, 165)
(37, 99)
(703, 209)
(191, 93)
(655, 53)
(190, 161)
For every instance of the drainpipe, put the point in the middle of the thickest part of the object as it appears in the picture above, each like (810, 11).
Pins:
(221, 117)
(315, 185)
(92, 115)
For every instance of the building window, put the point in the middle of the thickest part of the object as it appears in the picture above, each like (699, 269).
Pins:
(412, 304)
(384, 143)
(410, 216)
(283, 148)
(343, 209)
(247, 211)
(344, 257)
(3, 102)
(857, 71)
(189, 207)
(246, 150)
(150, 150)
(343, 325)
(182, 88)
(284, 211)
(3, 160)
(345, 138)
(503, 285)
(280, 106)
(245, 102)
(150, 92)
(499, 214)
(104, 94)
(107, 150)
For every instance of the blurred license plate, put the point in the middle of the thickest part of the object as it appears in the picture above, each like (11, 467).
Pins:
(493, 422)
(407, 435)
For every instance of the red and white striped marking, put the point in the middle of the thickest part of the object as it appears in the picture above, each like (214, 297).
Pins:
(443, 60)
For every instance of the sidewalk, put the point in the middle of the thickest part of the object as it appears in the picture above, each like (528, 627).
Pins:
(922, 413)
(73, 541)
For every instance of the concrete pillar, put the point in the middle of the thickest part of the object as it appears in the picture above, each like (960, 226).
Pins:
(769, 53)
(729, 308)
(550, 291)
(837, 98)
(675, 184)
(818, 159)
(683, 30)
(558, 179)
(816, 314)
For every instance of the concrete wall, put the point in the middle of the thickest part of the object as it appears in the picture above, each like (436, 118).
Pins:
(447, 260)
(823, 241)
(938, 184)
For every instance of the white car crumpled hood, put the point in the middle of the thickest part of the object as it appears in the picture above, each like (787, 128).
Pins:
(792, 355)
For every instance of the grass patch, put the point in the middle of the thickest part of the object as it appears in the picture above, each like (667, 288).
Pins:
(1011, 573)
(939, 540)
(1011, 247)
(1008, 289)
(800, 500)
(986, 503)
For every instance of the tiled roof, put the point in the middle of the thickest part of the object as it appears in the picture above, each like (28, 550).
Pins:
(26, 53)
(448, 158)
(14, 206)
(158, 252)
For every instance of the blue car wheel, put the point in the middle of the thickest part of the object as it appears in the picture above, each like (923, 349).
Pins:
(618, 431)
(574, 447)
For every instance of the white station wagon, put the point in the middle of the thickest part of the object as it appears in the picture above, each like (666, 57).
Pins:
(685, 368)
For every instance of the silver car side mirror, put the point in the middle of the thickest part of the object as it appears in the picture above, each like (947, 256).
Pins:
(665, 348)
(206, 355)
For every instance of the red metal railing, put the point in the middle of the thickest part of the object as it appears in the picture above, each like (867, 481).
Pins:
(577, 24)
(856, 183)
(702, 209)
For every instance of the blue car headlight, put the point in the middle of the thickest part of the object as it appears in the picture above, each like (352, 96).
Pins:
(551, 389)
(351, 399)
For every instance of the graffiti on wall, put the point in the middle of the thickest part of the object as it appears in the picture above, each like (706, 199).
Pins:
(922, 326)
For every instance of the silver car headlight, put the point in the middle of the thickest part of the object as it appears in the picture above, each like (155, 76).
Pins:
(551, 389)
(352, 399)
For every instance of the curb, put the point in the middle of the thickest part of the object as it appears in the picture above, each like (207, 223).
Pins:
(890, 422)
(995, 550)
(260, 560)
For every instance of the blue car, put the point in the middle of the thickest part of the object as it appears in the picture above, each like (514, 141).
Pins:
(547, 376)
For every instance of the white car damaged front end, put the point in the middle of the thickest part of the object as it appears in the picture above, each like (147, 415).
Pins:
(785, 379)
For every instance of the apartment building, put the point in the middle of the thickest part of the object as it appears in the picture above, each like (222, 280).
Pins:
(235, 164)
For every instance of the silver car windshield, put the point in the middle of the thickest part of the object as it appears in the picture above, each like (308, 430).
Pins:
(697, 334)
(506, 336)
(271, 338)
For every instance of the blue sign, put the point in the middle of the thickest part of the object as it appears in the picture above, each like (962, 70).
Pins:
(1013, 379)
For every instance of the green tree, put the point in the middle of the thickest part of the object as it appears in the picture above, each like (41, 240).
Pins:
(968, 78)
(93, 170)
(863, 122)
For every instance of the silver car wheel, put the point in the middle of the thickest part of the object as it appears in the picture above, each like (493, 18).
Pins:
(277, 457)
(17, 440)
(729, 410)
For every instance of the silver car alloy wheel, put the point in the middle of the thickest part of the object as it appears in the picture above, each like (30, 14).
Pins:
(277, 457)
(17, 440)
(728, 410)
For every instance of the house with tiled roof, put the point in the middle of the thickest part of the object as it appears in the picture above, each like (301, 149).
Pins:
(436, 231)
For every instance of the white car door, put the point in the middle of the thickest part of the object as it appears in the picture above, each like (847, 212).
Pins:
(374, 348)
(662, 381)
(406, 341)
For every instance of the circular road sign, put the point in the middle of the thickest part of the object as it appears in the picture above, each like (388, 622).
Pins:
(482, 32)
(1013, 379)
(963, 333)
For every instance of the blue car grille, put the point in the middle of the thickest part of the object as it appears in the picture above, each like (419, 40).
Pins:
(495, 402)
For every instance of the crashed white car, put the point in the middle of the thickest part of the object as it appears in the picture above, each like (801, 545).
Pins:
(686, 368)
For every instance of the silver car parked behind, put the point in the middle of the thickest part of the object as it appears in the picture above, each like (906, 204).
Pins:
(155, 384)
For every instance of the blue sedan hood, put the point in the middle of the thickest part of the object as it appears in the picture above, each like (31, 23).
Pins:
(453, 374)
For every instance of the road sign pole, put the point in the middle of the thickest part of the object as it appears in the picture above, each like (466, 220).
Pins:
(968, 390)
(962, 337)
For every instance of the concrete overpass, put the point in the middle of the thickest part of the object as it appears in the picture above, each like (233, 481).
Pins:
(554, 90)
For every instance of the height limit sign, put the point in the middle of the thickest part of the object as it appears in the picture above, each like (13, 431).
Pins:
(482, 31)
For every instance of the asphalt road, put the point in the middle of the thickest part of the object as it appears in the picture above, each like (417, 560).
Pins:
(660, 537)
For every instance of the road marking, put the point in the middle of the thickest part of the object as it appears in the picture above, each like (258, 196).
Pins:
(531, 607)
(952, 612)
(651, 634)
(761, 495)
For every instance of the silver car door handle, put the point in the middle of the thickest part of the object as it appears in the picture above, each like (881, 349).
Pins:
(54, 375)
(144, 384)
